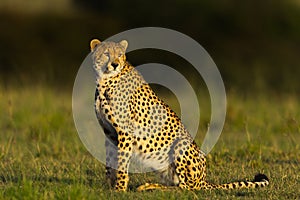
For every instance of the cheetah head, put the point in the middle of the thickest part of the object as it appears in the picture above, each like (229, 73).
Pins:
(108, 57)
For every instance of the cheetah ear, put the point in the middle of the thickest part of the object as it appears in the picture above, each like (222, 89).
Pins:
(124, 44)
(94, 43)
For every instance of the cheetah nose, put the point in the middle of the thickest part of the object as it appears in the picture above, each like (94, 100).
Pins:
(114, 65)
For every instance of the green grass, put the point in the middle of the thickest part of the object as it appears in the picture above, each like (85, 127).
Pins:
(42, 157)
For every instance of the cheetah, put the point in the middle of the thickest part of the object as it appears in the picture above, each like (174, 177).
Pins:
(137, 123)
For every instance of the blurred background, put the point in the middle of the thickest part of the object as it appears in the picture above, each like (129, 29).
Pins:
(255, 44)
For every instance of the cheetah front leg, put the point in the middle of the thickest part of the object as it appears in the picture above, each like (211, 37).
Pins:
(124, 156)
(118, 155)
(124, 141)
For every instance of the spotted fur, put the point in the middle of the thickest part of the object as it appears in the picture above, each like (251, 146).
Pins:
(139, 124)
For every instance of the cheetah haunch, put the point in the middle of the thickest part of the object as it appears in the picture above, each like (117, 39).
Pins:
(137, 123)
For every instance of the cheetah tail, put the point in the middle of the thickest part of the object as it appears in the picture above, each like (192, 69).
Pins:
(260, 180)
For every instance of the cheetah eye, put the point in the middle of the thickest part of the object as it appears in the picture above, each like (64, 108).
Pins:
(106, 54)
(120, 55)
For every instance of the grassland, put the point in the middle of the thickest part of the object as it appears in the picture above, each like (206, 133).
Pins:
(42, 157)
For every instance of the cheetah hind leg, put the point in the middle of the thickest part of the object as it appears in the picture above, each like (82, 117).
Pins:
(155, 186)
